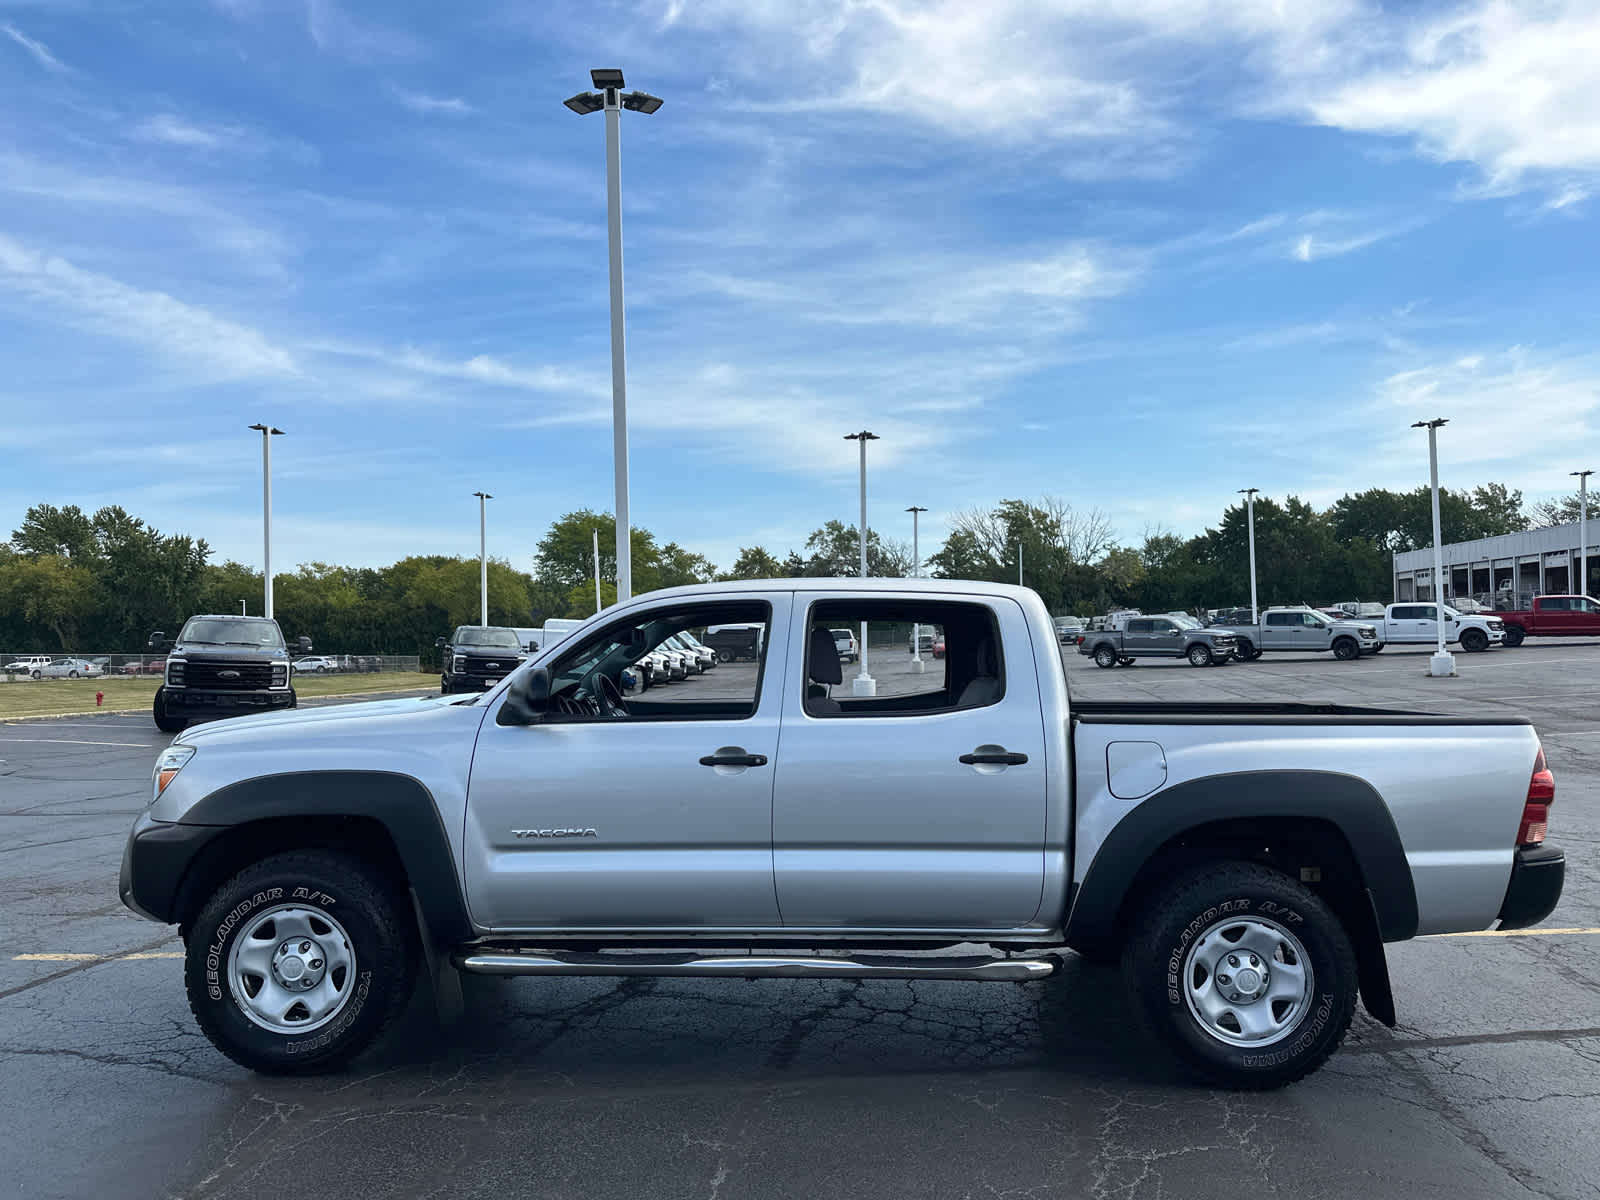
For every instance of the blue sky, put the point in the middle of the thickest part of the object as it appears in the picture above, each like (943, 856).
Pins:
(1137, 262)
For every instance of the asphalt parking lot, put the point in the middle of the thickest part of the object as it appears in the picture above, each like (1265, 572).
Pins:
(662, 1088)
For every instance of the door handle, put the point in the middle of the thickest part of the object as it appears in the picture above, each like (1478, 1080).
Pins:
(1001, 758)
(733, 759)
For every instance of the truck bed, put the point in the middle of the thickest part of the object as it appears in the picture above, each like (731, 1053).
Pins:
(1236, 712)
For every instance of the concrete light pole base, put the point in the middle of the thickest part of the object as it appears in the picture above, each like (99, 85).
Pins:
(918, 666)
(1441, 666)
(863, 685)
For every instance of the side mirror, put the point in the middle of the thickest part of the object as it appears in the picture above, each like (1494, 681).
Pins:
(158, 641)
(533, 647)
(438, 643)
(527, 699)
(303, 644)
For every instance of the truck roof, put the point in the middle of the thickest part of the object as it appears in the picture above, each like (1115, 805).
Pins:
(844, 583)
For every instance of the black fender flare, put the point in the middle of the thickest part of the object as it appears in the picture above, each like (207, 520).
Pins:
(1350, 804)
(399, 803)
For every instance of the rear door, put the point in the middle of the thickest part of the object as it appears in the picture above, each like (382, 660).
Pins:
(878, 823)
(1139, 636)
(1281, 631)
(1413, 624)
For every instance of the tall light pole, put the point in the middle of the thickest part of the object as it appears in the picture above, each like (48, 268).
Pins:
(267, 434)
(1443, 662)
(1583, 531)
(917, 665)
(1249, 495)
(597, 604)
(612, 101)
(483, 556)
(1019, 562)
(864, 684)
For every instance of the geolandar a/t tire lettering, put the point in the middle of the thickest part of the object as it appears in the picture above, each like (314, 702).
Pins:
(1244, 973)
(298, 962)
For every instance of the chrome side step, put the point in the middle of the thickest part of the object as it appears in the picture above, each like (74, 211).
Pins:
(744, 966)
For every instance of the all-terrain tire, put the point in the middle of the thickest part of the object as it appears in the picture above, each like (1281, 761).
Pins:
(343, 908)
(1194, 924)
(165, 721)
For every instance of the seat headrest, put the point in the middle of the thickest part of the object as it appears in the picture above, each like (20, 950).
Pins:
(985, 661)
(824, 666)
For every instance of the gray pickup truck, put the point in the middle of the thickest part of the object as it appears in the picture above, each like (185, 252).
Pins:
(1246, 863)
(1158, 637)
(1303, 629)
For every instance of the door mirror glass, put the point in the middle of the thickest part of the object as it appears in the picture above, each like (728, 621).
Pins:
(527, 699)
(303, 645)
(438, 643)
(158, 641)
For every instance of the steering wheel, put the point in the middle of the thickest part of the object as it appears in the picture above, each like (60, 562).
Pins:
(609, 696)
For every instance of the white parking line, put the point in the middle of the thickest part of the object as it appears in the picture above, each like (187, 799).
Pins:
(65, 957)
(7, 741)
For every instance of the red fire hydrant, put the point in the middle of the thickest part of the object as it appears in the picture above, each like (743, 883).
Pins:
(99, 699)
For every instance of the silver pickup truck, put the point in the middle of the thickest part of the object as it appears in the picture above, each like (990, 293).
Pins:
(1303, 629)
(1246, 863)
(1158, 637)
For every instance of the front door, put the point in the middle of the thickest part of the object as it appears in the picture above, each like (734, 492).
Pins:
(878, 823)
(659, 814)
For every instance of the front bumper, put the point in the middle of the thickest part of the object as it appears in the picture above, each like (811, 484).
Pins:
(154, 862)
(1537, 875)
(195, 702)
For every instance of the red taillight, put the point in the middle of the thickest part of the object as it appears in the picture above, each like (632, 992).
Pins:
(1536, 811)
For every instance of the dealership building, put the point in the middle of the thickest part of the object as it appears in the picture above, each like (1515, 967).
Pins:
(1509, 570)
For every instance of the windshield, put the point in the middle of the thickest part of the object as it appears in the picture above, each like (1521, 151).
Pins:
(1185, 622)
(497, 639)
(220, 631)
(689, 639)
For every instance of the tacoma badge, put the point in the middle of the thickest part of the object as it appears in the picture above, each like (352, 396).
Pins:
(554, 833)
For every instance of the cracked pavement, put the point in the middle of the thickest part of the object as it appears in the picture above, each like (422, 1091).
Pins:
(729, 1088)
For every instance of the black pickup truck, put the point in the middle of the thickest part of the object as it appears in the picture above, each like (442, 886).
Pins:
(476, 657)
(223, 666)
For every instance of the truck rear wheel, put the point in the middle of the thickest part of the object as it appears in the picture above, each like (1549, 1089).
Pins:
(298, 962)
(1514, 635)
(1245, 974)
(1105, 656)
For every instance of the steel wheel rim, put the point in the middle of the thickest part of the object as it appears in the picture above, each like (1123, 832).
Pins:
(1269, 988)
(292, 969)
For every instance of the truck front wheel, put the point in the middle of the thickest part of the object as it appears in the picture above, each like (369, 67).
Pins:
(1474, 640)
(298, 962)
(1245, 974)
(1514, 635)
(165, 721)
(1199, 656)
(1347, 649)
(1105, 657)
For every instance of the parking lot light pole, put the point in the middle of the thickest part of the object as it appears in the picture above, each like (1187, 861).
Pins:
(597, 604)
(864, 684)
(1249, 495)
(483, 556)
(917, 665)
(1443, 662)
(267, 434)
(611, 99)
(1583, 531)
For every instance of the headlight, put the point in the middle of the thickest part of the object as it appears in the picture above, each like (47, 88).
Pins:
(459, 665)
(175, 670)
(172, 761)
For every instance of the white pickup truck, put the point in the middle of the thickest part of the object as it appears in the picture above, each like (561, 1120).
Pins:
(1417, 625)
(1246, 863)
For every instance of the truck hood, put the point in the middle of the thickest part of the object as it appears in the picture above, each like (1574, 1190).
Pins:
(305, 718)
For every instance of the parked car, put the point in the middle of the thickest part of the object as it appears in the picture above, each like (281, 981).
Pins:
(28, 664)
(1158, 637)
(1417, 625)
(733, 642)
(710, 657)
(845, 642)
(1553, 616)
(222, 665)
(476, 657)
(315, 664)
(1247, 862)
(938, 645)
(1067, 629)
(68, 668)
(697, 659)
(925, 637)
(1303, 629)
(150, 666)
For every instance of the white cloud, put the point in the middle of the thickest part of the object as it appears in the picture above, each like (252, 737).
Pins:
(151, 319)
(1569, 197)
(1513, 88)
(40, 52)
(1309, 247)
(481, 368)
(421, 102)
(175, 131)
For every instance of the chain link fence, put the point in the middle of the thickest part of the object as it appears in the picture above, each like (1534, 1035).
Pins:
(100, 664)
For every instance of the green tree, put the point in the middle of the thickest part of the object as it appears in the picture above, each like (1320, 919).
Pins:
(48, 600)
(46, 529)
(1564, 510)
(564, 557)
(676, 567)
(835, 550)
(754, 563)
(225, 584)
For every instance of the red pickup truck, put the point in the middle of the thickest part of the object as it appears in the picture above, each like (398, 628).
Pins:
(1553, 616)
